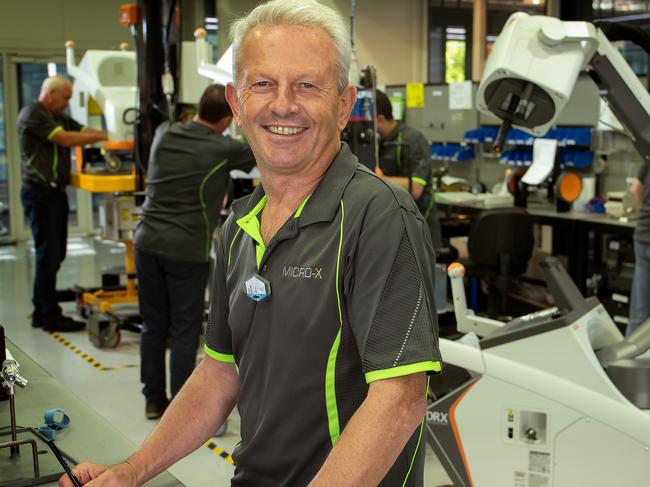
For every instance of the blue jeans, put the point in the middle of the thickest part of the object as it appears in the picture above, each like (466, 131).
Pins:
(171, 296)
(47, 210)
(640, 299)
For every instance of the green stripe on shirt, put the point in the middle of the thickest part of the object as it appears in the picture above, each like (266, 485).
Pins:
(54, 131)
(204, 207)
(330, 373)
(421, 181)
(428, 366)
(221, 357)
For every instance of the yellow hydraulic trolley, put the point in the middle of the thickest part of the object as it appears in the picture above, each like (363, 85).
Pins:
(104, 94)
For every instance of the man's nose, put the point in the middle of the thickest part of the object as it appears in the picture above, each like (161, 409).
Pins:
(284, 102)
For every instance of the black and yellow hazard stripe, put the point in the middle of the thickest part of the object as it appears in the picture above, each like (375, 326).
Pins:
(220, 451)
(85, 356)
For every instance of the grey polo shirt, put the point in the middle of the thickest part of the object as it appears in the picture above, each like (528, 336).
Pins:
(44, 162)
(642, 231)
(351, 302)
(187, 180)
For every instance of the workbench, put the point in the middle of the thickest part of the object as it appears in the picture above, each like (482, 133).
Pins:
(88, 437)
(571, 231)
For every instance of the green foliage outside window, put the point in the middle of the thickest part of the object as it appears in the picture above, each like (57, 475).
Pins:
(454, 61)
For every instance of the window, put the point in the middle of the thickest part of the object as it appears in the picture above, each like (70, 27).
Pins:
(450, 33)
(455, 54)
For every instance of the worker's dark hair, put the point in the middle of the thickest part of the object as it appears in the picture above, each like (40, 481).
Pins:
(213, 105)
(383, 105)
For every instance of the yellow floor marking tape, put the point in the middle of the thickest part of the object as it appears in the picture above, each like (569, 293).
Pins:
(220, 451)
(87, 357)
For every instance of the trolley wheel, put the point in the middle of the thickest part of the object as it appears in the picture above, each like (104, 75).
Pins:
(111, 339)
(84, 310)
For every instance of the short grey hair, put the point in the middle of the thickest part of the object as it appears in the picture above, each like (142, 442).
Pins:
(54, 83)
(306, 13)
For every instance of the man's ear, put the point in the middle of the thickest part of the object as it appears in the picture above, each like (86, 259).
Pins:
(347, 100)
(231, 97)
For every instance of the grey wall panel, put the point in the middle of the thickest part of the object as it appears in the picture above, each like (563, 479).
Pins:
(435, 120)
(27, 25)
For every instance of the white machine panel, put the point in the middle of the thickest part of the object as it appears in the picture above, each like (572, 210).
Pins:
(587, 450)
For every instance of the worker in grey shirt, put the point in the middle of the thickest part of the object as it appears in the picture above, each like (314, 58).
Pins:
(639, 302)
(405, 159)
(186, 183)
(46, 134)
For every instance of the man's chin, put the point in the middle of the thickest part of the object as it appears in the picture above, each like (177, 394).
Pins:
(284, 163)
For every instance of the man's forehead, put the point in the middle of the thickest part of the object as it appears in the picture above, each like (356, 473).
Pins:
(276, 33)
(283, 36)
(64, 89)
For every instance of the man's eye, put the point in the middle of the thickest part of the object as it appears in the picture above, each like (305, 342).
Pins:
(306, 85)
(261, 84)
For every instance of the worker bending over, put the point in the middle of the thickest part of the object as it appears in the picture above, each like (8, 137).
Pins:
(187, 180)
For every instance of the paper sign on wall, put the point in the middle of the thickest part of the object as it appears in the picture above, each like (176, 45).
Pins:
(460, 95)
(397, 103)
(415, 95)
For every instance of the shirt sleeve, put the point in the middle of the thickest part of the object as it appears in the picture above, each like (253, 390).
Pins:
(391, 296)
(41, 124)
(241, 156)
(420, 156)
(218, 338)
(72, 124)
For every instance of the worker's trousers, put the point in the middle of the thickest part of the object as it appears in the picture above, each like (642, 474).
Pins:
(171, 294)
(640, 300)
(47, 210)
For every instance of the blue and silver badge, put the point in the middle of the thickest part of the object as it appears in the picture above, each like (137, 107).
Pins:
(257, 288)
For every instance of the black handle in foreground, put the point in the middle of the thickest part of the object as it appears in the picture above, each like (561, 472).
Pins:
(64, 464)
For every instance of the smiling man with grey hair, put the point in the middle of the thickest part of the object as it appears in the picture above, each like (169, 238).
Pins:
(322, 324)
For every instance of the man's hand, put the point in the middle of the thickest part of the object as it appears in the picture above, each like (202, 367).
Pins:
(637, 188)
(95, 475)
(208, 406)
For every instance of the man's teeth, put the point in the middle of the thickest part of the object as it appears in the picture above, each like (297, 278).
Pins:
(276, 129)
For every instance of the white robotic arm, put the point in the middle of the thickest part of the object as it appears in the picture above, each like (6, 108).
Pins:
(533, 68)
(222, 71)
(109, 78)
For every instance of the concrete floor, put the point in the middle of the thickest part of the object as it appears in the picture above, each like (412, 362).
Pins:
(114, 394)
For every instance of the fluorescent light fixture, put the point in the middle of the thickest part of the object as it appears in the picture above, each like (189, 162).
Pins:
(211, 20)
(623, 18)
(51, 69)
(211, 27)
(456, 30)
(455, 37)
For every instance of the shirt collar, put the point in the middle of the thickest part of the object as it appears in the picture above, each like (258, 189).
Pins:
(200, 126)
(324, 201)
(393, 133)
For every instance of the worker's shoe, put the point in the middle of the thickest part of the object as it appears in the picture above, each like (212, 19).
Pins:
(37, 320)
(155, 408)
(61, 323)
